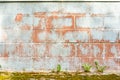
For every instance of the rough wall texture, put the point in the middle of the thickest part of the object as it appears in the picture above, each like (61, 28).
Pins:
(38, 36)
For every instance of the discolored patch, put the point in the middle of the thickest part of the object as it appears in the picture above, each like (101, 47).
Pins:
(19, 17)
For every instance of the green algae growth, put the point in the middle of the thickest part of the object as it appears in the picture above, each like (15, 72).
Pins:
(56, 76)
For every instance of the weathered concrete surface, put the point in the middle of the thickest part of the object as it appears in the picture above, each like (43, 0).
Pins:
(38, 36)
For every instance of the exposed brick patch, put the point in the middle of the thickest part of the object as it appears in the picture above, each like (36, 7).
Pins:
(70, 34)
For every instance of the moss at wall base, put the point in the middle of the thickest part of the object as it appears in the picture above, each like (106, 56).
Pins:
(56, 76)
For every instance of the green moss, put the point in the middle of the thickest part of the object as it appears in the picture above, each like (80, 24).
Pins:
(55, 76)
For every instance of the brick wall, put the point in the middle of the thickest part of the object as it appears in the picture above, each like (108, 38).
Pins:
(38, 36)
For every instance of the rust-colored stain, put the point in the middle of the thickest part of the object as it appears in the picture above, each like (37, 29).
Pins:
(6, 55)
(35, 37)
(19, 17)
(44, 32)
